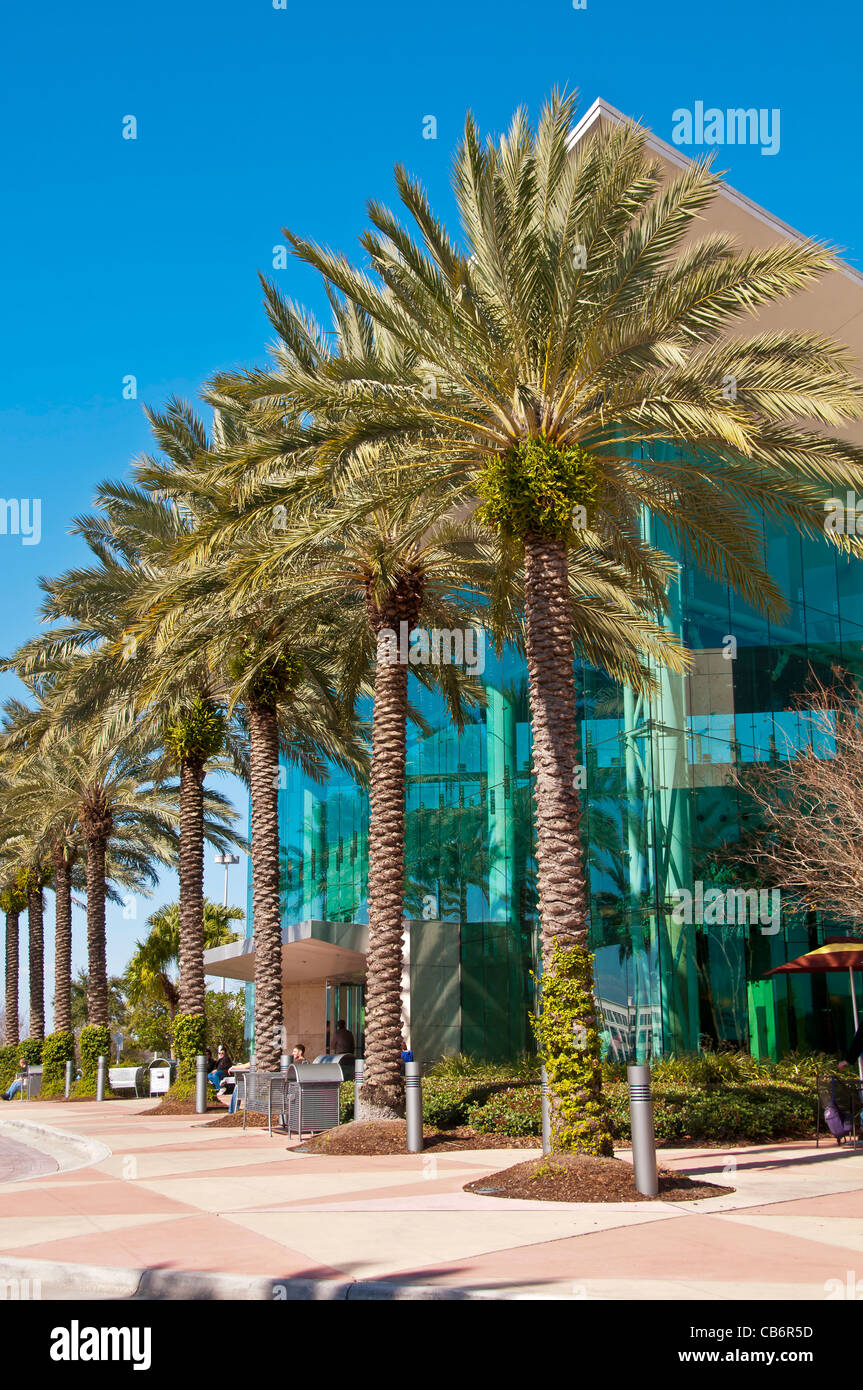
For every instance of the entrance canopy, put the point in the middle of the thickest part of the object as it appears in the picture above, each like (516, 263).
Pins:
(310, 951)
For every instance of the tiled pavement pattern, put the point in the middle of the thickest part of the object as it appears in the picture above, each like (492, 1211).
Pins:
(178, 1195)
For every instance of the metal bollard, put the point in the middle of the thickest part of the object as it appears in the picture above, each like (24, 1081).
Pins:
(414, 1107)
(358, 1081)
(284, 1063)
(546, 1113)
(200, 1084)
(643, 1141)
(68, 1078)
(100, 1078)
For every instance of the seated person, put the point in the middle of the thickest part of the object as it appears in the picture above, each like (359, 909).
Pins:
(229, 1091)
(222, 1067)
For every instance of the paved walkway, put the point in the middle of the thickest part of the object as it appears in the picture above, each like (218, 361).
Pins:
(175, 1194)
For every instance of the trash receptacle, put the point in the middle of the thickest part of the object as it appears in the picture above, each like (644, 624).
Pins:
(345, 1060)
(161, 1076)
(312, 1097)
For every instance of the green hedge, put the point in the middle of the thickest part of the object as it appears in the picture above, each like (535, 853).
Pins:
(9, 1055)
(58, 1050)
(31, 1050)
(94, 1042)
(704, 1098)
(733, 1113)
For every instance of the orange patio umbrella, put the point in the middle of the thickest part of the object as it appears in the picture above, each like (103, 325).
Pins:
(837, 953)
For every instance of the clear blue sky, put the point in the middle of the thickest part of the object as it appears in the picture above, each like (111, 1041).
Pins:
(124, 257)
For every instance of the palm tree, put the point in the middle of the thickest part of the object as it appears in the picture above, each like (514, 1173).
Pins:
(13, 901)
(269, 665)
(130, 535)
(377, 555)
(149, 976)
(577, 351)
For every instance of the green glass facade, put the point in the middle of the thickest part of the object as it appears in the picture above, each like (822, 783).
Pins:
(656, 808)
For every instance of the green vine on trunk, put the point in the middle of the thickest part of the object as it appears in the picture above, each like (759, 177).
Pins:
(189, 1034)
(540, 489)
(94, 1042)
(567, 1036)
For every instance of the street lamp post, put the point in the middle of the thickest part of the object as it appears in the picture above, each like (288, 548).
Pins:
(227, 860)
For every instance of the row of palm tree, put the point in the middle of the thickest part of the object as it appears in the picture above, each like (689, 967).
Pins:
(508, 428)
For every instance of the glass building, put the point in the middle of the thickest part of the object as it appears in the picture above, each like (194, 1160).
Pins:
(657, 806)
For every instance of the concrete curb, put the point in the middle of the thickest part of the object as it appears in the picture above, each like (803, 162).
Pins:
(82, 1281)
(56, 1143)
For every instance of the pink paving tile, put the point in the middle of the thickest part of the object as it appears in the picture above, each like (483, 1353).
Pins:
(833, 1204)
(419, 1189)
(693, 1247)
(95, 1199)
(203, 1243)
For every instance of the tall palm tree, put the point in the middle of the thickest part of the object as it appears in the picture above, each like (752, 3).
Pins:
(380, 554)
(13, 902)
(130, 535)
(266, 666)
(119, 796)
(577, 350)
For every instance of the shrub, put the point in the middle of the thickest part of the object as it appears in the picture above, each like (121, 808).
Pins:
(463, 1067)
(8, 1065)
(731, 1112)
(58, 1050)
(31, 1050)
(94, 1042)
(346, 1102)
(189, 1033)
(750, 1112)
(513, 1112)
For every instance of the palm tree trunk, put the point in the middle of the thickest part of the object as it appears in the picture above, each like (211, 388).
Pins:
(563, 904)
(192, 887)
(97, 963)
(266, 900)
(62, 943)
(382, 1091)
(36, 956)
(12, 977)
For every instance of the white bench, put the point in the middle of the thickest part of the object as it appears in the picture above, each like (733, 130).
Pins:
(125, 1078)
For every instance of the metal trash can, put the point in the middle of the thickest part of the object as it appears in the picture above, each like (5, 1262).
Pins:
(32, 1082)
(345, 1060)
(161, 1074)
(312, 1097)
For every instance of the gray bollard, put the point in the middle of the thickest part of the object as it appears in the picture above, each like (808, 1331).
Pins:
(284, 1063)
(100, 1078)
(68, 1079)
(200, 1084)
(643, 1142)
(358, 1081)
(546, 1113)
(414, 1107)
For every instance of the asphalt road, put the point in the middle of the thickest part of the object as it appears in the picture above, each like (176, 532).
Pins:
(18, 1161)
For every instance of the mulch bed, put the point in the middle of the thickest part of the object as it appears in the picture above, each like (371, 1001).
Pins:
(390, 1137)
(177, 1107)
(580, 1178)
(235, 1121)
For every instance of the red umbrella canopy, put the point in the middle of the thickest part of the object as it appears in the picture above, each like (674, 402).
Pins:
(838, 954)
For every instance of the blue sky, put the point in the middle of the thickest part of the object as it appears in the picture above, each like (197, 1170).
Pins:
(138, 257)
